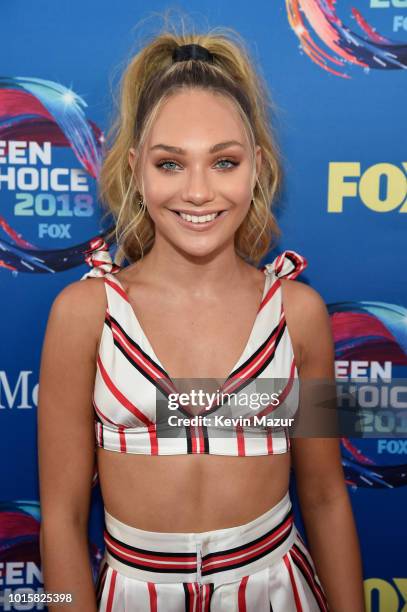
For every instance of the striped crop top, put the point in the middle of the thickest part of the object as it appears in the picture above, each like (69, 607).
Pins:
(132, 389)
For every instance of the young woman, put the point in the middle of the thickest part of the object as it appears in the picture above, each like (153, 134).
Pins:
(200, 518)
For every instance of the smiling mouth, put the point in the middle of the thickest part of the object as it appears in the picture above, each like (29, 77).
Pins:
(199, 219)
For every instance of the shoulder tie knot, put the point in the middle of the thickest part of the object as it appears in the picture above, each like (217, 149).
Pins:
(288, 264)
(98, 257)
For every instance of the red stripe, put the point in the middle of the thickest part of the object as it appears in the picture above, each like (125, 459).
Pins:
(97, 243)
(297, 599)
(152, 431)
(279, 263)
(193, 438)
(314, 586)
(197, 439)
(120, 396)
(148, 559)
(201, 440)
(101, 414)
(269, 294)
(109, 604)
(269, 442)
(242, 594)
(148, 366)
(240, 441)
(122, 437)
(264, 354)
(117, 286)
(96, 263)
(205, 598)
(197, 588)
(251, 550)
(256, 361)
(153, 596)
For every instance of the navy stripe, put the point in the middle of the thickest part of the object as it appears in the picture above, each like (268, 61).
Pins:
(187, 597)
(313, 585)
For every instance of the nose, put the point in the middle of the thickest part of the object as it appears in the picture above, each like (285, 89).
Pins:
(197, 189)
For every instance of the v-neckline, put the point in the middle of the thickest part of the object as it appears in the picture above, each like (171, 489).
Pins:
(151, 352)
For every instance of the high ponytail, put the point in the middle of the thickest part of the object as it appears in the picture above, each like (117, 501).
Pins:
(149, 79)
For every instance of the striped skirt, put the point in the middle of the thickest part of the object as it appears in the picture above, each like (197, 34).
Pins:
(262, 566)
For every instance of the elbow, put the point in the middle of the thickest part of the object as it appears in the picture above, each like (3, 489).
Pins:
(323, 500)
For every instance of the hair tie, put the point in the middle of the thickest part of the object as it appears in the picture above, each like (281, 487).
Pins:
(193, 51)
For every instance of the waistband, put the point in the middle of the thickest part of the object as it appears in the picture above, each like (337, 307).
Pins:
(217, 556)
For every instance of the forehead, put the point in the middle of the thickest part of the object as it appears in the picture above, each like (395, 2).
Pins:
(197, 117)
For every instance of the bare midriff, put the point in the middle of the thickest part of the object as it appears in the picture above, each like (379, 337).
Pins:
(190, 493)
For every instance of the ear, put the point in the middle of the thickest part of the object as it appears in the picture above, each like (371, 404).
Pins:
(132, 158)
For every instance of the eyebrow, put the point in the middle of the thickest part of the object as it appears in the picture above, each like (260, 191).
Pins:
(180, 151)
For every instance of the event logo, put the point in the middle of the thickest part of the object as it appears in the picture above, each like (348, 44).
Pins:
(381, 187)
(389, 596)
(21, 581)
(317, 21)
(50, 157)
(371, 344)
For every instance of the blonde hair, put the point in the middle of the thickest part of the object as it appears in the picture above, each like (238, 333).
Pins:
(149, 79)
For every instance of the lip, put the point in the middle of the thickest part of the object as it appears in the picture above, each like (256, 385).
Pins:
(199, 227)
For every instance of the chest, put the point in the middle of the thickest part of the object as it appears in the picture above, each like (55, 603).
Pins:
(198, 338)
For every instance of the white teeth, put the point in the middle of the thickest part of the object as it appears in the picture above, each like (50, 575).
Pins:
(201, 219)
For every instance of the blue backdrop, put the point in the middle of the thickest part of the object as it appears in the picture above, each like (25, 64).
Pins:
(337, 76)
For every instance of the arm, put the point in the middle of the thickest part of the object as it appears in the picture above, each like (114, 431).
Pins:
(320, 483)
(66, 442)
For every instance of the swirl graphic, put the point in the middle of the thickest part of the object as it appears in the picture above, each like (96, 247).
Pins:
(25, 257)
(369, 51)
(19, 534)
(369, 331)
(39, 110)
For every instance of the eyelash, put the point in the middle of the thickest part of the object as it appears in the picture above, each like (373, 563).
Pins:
(171, 161)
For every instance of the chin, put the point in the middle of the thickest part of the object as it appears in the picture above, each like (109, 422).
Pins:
(204, 252)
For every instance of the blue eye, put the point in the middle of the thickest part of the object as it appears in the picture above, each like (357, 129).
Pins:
(229, 161)
(164, 163)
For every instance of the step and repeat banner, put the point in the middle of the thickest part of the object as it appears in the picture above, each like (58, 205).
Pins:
(337, 73)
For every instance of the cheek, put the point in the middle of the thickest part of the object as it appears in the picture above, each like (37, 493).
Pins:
(236, 186)
(158, 189)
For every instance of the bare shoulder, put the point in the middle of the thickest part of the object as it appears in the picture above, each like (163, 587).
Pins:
(301, 298)
(308, 322)
(81, 306)
(85, 297)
